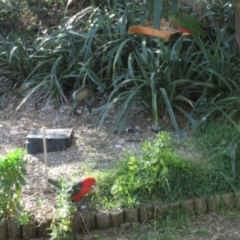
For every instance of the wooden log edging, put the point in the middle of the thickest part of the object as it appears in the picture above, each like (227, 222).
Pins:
(104, 220)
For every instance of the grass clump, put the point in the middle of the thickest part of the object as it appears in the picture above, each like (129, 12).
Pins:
(13, 170)
(219, 144)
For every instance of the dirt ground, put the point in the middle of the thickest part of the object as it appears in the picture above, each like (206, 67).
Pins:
(94, 148)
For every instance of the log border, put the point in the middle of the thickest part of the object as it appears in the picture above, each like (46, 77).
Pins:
(105, 220)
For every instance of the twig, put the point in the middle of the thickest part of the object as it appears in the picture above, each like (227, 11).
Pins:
(30, 197)
(83, 225)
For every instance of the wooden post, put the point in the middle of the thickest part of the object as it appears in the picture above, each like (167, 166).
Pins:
(130, 215)
(45, 157)
(200, 206)
(117, 217)
(145, 213)
(103, 220)
(89, 223)
(76, 222)
(3, 230)
(29, 231)
(14, 230)
(157, 12)
(43, 228)
(174, 6)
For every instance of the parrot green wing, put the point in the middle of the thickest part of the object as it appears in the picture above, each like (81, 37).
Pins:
(75, 188)
(186, 21)
(174, 20)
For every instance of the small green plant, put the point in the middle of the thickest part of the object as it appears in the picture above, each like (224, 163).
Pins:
(24, 218)
(40, 202)
(145, 174)
(61, 227)
(13, 170)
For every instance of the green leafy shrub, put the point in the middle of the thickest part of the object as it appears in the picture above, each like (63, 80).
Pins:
(61, 227)
(146, 174)
(157, 173)
(81, 51)
(13, 170)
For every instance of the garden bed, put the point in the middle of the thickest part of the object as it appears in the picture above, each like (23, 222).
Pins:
(83, 223)
(93, 149)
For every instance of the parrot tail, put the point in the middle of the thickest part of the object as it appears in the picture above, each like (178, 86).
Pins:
(54, 182)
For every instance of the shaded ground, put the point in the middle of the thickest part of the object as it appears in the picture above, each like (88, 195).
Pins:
(95, 149)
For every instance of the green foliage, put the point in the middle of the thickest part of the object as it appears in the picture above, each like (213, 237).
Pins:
(10, 12)
(188, 180)
(193, 77)
(61, 227)
(189, 76)
(46, 3)
(158, 174)
(16, 65)
(214, 137)
(136, 176)
(143, 174)
(81, 52)
(13, 170)
(220, 144)
(146, 81)
(102, 190)
(222, 11)
(24, 218)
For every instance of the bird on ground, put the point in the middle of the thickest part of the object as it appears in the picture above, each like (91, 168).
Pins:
(77, 190)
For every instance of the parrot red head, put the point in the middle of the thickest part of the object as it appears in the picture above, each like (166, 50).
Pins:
(89, 181)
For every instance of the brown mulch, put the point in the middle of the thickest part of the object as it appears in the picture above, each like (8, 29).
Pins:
(94, 148)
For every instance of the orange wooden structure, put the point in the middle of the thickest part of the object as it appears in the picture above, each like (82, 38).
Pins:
(159, 27)
(165, 32)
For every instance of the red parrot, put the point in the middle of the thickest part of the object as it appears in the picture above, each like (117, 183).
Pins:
(78, 190)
